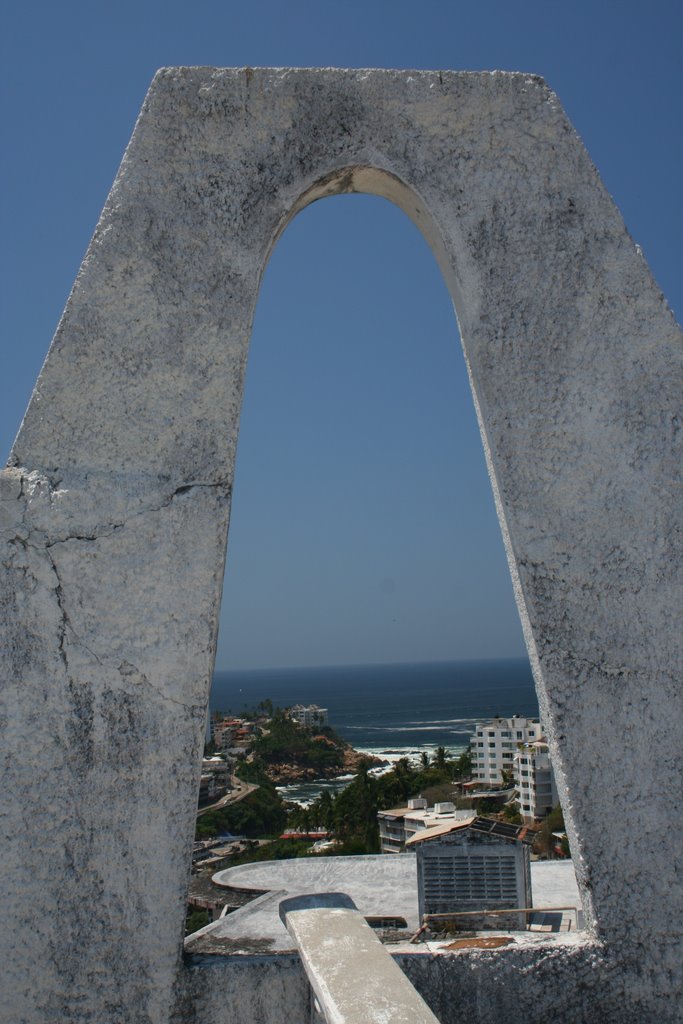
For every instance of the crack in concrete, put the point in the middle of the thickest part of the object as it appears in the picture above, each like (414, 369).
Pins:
(127, 669)
(604, 669)
(59, 594)
(66, 623)
(108, 529)
(38, 541)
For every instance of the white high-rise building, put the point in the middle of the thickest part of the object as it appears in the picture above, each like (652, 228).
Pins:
(310, 716)
(494, 745)
(534, 780)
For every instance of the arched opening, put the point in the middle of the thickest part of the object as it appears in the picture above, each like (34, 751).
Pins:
(365, 562)
(357, 422)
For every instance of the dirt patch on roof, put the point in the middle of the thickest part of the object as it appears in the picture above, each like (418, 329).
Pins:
(481, 942)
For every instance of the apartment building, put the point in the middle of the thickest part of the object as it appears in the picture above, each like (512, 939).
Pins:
(494, 745)
(400, 824)
(534, 780)
(310, 716)
(225, 731)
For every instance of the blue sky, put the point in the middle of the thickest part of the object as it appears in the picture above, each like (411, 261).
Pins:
(374, 540)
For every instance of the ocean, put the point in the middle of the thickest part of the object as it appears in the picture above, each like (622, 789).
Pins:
(390, 711)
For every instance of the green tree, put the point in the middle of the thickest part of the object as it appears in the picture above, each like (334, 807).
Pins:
(325, 810)
(196, 918)
(553, 822)
(462, 766)
(404, 777)
(511, 813)
(487, 806)
(355, 809)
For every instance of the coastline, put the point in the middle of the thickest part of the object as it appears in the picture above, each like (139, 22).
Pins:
(386, 711)
(290, 774)
(306, 791)
(402, 707)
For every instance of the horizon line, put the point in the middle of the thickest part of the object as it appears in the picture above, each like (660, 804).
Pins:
(371, 664)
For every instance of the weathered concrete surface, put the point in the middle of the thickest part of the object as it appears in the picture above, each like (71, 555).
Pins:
(254, 989)
(115, 506)
(352, 975)
(566, 981)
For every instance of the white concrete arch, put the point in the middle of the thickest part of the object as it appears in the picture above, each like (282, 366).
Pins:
(116, 500)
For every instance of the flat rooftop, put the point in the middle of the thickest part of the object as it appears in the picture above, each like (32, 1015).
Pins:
(380, 885)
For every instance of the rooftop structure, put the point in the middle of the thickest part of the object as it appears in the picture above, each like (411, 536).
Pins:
(352, 975)
(474, 865)
(397, 825)
(383, 888)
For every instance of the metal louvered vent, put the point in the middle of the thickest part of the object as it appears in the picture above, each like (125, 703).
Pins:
(481, 877)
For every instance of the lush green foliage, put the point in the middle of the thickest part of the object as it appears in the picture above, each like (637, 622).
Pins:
(545, 842)
(279, 849)
(352, 814)
(512, 815)
(286, 742)
(260, 813)
(488, 805)
(196, 918)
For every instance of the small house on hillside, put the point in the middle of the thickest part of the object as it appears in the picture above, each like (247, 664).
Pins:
(471, 866)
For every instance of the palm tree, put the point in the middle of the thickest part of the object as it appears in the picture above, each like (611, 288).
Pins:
(403, 772)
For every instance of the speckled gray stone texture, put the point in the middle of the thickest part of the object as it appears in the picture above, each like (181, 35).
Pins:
(115, 505)
(568, 982)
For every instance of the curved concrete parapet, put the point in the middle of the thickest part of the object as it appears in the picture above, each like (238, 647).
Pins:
(116, 502)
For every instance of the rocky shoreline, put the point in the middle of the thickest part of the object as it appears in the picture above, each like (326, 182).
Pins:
(287, 774)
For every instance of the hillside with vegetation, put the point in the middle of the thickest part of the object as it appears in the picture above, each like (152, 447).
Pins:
(351, 815)
(287, 752)
(260, 814)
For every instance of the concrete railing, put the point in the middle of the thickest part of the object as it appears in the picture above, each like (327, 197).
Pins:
(353, 976)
